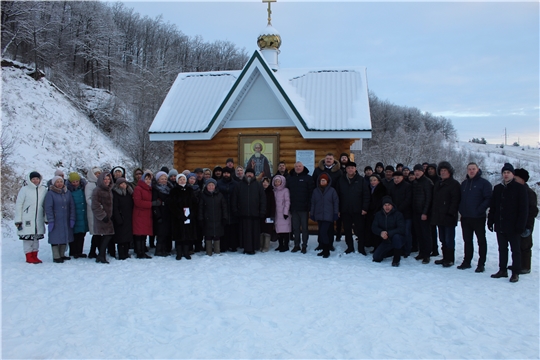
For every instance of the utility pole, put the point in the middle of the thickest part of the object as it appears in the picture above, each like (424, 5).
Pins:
(505, 137)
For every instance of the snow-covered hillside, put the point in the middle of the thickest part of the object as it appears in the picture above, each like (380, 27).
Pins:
(49, 132)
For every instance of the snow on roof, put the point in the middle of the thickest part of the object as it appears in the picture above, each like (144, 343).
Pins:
(323, 99)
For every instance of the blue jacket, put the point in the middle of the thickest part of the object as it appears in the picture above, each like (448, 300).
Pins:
(60, 210)
(393, 223)
(324, 203)
(81, 224)
(475, 196)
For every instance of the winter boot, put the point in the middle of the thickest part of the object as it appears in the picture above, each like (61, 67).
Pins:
(284, 240)
(266, 243)
(30, 258)
(140, 246)
(304, 249)
(443, 260)
(217, 245)
(36, 260)
(464, 265)
(319, 247)
(514, 277)
(94, 244)
(480, 268)
(208, 246)
(500, 274)
(449, 257)
(261, 241)
(526, 263)
(62, 249)
(185, 250)
(397, 257)
(160, 247)
(326, 251)
(350, 246)
(56, 254)
(296, 248)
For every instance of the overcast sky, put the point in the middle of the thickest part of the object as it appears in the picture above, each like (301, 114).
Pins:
(476, 63)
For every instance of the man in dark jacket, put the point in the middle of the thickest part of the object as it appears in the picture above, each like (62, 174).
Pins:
(475, 198)
(226, 186)
(282, 170)
(422, 196)
(300, 185)
(332, 168)
(508, 213)
(388, 181)
(522, 176)
(390, 226)
(343, 160)
(249, 204)
(444, 211)
(401, 194)
(354, 197)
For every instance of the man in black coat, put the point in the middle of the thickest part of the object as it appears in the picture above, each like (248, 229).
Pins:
(226, 186)
(475, 199)
(388, 181)
(401, 194)
(422, 197)
(354, 197)
(249, 204)
(390, 226)
(444, 211)
(331, 167)
(508, 217)
(522, 176)
(300, 185)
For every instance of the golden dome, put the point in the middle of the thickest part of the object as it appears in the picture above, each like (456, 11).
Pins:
(269, 39)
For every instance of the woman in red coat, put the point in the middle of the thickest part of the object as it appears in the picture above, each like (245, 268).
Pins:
(142, 214)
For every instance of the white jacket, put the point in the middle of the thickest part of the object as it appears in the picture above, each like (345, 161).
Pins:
(29, 209)
(90, 186)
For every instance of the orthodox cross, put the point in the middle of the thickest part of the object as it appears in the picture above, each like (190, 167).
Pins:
(269, 10)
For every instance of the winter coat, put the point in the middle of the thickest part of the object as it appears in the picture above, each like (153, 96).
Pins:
(249, 200)
(533, 207)
(334, 172)
(29, 210)
(446, 197)
(79, 198)
(475, 196)
(142, 209)
(226, 188)
(324, 203)
(212, 212)
(88, 189)
(181, 199)
(60, 212)
(301, 188)
(392, 222)
(122, 216)
(161, 213)
(422, 195)
(401, 195)
(509, 208)
(268, 228)
(375, 203)
(354, 194)
(102, 206)
(283, 204)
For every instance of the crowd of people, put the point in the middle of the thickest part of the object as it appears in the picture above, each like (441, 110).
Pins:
(390, 212)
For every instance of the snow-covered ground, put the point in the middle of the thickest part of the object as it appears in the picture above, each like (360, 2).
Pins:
(271, 305)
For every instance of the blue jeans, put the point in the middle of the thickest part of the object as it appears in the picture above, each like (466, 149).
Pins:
(387, 247)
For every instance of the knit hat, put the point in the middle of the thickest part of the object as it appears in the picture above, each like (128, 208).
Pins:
(406, 168)
(56, 178)
(418, 167)
(368, 168)
(389, 167)
(434, 166)
(211, 180)
(397, 173)
(218, 168)
(164, 169)
(350, 163)
(59, 173)
(398, 165)
(387, 200)
(250, 170)
(35, 174)
(227, 170)
(229, 160)
(509, 167)
(118, 168)
(120, 180)
(198, 170)
(73, 176)
(324, 176)
(146, 173)
(376, 176)
(522, 173)
(180, 176)
(191, 175)
(160, 174)
(379, 164)
(173, 172)
(96, 169)
(186, 172)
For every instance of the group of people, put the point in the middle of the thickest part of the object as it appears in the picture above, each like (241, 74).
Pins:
(393, 212)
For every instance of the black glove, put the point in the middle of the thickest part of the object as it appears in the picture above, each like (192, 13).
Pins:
(105, 219)
(285, 217)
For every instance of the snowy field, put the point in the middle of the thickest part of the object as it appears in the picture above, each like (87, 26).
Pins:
(272, 305)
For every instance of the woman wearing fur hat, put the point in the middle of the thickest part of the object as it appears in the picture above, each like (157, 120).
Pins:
(142, 214)
(212, 215)
(282, 216)
(60, 210)
(122, 217)
(102, 204)
(183, 206)
(324, 210)
(76, 185)
(30, 217)
(91, 177)
(161, 214)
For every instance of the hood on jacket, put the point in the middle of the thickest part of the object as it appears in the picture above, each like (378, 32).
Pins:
(82, 185)
(329, 179)
(445, 165)
(100, 182)
(336, 167)
(283, 182)
(90, 176)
